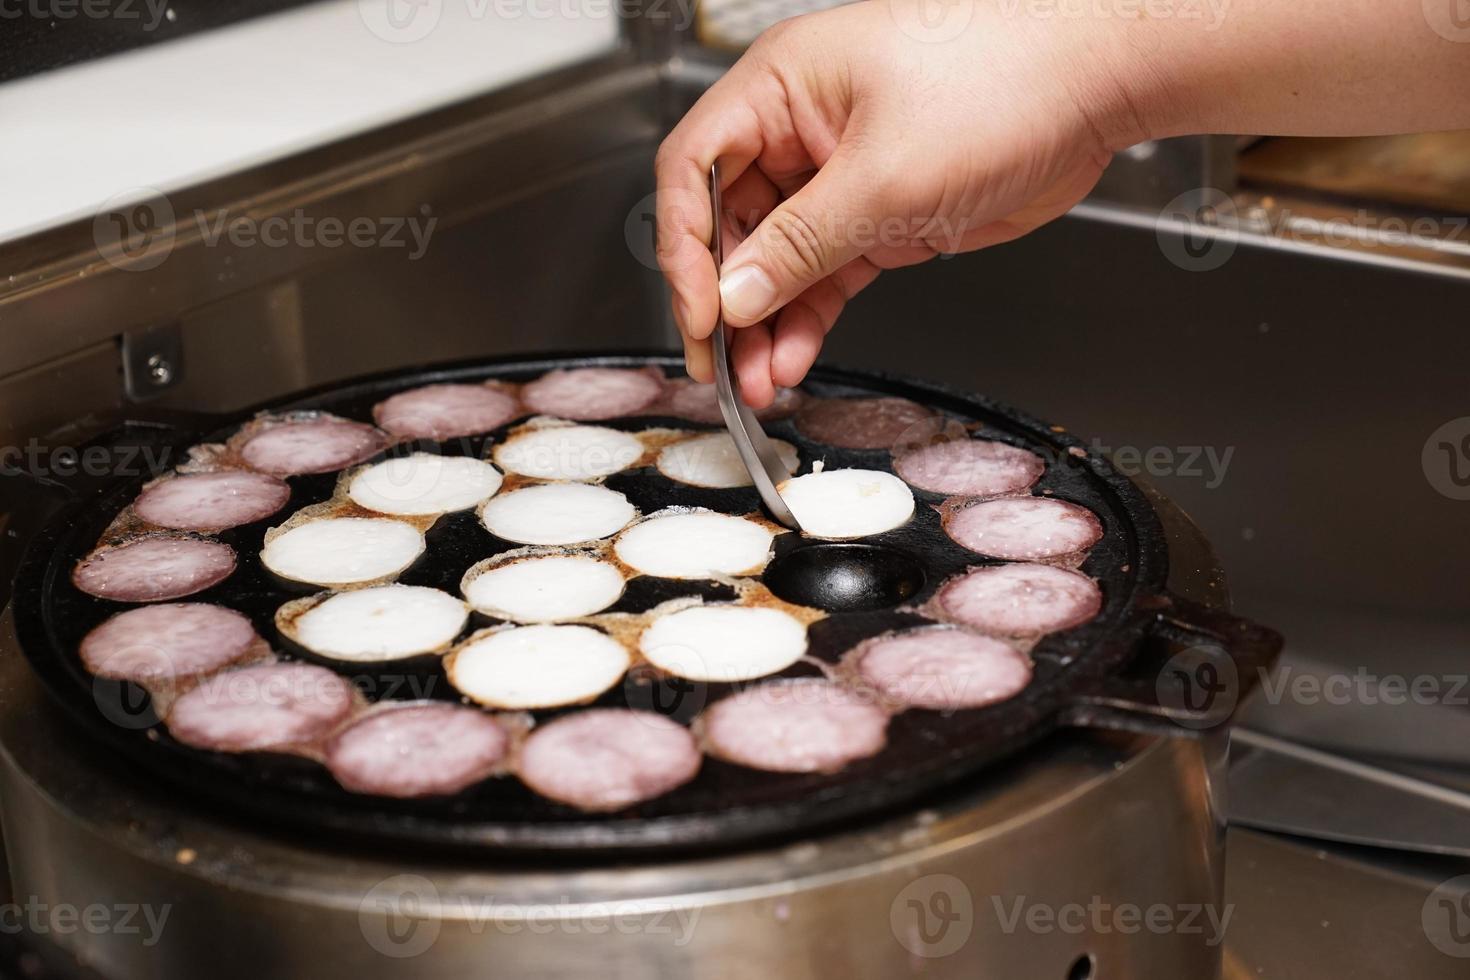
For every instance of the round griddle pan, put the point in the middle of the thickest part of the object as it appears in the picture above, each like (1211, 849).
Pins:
(1102, 674)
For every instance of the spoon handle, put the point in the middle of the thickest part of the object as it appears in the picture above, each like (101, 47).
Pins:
(762, 461)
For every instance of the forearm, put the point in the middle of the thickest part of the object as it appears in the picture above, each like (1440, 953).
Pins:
(1279, 67)
(961, 124)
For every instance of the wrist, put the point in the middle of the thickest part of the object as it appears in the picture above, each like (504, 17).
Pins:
(1134, 78)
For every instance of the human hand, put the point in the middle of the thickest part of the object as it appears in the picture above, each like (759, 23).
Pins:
(853, 141)
(848, 147)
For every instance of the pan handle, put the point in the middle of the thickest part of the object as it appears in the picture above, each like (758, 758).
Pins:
(1195, 668)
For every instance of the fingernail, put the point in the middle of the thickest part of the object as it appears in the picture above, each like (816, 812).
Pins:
(747, 292)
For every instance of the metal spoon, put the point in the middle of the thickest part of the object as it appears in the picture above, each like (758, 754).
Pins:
(755, 449)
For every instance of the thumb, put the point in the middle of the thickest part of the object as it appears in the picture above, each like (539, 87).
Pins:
(806, 238)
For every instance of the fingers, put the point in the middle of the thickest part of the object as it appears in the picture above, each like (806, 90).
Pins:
(682, 230)
(796, 341)
(805, 321)
(699, 360)
(804, 239)
(724, 126)
(751, 354)
(750, 198)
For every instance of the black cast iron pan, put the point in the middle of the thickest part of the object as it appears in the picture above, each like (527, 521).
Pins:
(1103, 674)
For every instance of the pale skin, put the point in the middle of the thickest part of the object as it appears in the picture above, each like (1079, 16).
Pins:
(881, 134)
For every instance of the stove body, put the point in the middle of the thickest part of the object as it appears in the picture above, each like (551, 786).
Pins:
(542, 194)
(1036, 865)
(950, 890)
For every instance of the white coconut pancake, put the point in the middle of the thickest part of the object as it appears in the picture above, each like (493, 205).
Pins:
(713, 461)
(543, 588)
(343, 550)
(423, 484)
(557, 513)
(848, 503)
(537, 666)
(723, 643)
(695, 544)
(568, 452)
(383, 623)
